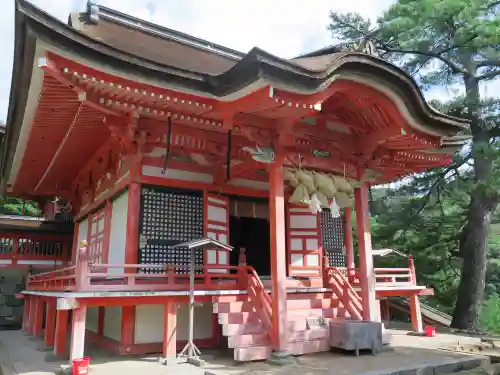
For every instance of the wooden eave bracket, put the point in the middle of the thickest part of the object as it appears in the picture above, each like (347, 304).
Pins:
(50, 68)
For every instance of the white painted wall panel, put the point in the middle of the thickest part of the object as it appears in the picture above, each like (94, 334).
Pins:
(92, 318)
(303, 222)
(118, 235)
(113, 322)
(149, 323)
(176, 174)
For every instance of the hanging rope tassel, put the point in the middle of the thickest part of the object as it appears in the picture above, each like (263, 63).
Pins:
(167, 149)
(228, 156)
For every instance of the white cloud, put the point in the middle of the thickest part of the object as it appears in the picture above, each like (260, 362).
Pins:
(285, 28)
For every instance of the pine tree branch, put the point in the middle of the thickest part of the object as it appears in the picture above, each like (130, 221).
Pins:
(489, 75)
(453, 66)
(487, 62)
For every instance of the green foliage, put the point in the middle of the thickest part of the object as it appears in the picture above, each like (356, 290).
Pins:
(490, 314)
(17, 206)
(449, 44)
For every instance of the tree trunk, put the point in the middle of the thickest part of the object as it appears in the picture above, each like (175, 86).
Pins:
(474, 247)
(474, 238)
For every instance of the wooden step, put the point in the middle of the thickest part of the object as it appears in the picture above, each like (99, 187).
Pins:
(242, 341)
(242, 329)
(250, 317)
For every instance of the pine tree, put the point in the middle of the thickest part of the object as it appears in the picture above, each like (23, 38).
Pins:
(449, 42)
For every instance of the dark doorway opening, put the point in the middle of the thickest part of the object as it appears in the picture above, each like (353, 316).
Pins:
(253, 234)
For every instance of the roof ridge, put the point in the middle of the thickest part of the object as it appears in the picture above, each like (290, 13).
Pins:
(94, 11)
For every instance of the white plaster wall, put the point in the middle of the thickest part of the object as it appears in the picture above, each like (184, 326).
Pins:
(92, 318)
(176, 174)
(251, 184)
(118, 235)
(202, 321)
(113, 322)
(149, 323)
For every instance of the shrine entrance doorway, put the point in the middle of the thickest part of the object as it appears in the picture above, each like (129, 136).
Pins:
(249, 228)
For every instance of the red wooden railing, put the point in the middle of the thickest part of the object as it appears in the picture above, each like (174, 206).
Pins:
(34, 247)
(260, 299)
(338, 282)
(384, 276)
(85, 276)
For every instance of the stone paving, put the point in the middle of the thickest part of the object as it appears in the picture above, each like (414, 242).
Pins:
(19, 355)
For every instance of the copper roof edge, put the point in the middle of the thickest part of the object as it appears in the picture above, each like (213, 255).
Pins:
(165, 32)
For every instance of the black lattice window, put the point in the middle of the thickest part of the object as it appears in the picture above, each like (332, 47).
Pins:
(332, 236)
(169, 217)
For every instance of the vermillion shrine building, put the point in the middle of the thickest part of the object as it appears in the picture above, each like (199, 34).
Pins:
(156, 138)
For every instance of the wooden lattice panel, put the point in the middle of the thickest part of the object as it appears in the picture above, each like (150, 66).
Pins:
(170, 217)
(332, 236)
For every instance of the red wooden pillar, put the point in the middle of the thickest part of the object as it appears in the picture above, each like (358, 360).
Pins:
(348, 241)
(26, 313)
(367, 274)
(278, 255)
(78, 332)
(128, 326)
(132, 236)
(50, 322)
(170, 330)
(31, 326)
(131, 253)
(38, 323)
(61, 334)
(416, 314)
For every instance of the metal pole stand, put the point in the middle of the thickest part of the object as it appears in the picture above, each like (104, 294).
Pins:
(190, 351)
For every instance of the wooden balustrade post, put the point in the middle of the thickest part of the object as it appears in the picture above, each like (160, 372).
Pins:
(411, 266)
(242, 271)
(82, 267)
(326, 275)
(170, 275)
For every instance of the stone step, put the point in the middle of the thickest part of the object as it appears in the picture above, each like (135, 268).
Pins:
(261, 352)
(259, 339)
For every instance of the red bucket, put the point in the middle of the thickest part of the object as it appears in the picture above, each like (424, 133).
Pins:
(81, 366)
(430, 331)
